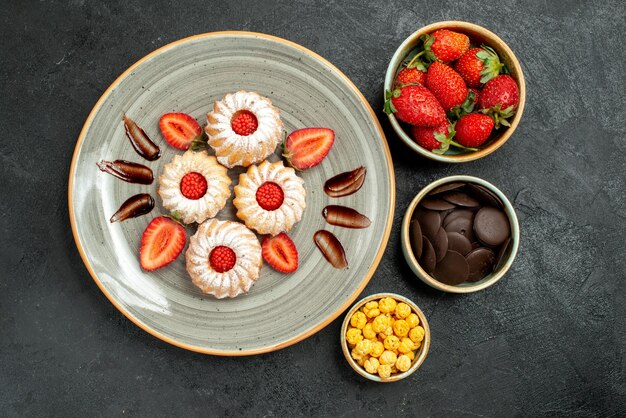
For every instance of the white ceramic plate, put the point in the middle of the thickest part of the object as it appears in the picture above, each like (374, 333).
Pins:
(188, 76)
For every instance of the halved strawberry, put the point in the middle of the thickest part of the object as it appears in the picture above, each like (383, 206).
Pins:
(161, 242)
(280, 252)
(307, 147)
(180, 129)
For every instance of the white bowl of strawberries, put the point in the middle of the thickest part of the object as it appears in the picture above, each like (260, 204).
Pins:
(454, 92)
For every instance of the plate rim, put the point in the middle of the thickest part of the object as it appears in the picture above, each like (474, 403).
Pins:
(199, 349)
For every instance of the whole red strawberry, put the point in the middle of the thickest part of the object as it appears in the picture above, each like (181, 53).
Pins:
(478, 65)
(410, 76)
(502, 91)
(473, 130)
(426, 137)
(446, 45)
(499, 99)
(415, 105)
(446, 85)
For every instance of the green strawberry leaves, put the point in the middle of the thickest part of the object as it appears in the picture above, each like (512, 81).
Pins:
(429, 55)
(200, 142)
(500, 115)
(464, 108)
(421, 56)
(287, 154)
(389, 108)
(456, 144)
(413, 60)
(491, 63)
(447, 141)
(176, 217)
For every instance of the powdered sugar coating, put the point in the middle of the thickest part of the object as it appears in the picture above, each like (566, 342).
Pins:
(217, 193)
(275, 221)
(232, 149)
(235, 236)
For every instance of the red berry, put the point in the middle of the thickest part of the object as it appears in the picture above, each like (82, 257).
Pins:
(448, 45)
(179, 129)
(307, 147)
(415, 105)
(473, 130)
(161, 242)
(469, 67)
(270, 196)
(478, 65)
(193, 186)
(410, 75)
(446, 85)
(280, 252)
(502, 91)
(244, 123)
(222, 259)
(425, 137)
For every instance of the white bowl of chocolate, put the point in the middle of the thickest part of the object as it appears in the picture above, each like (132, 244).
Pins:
(460, 234)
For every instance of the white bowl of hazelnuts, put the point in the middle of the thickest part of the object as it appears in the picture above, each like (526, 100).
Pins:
(385, 337)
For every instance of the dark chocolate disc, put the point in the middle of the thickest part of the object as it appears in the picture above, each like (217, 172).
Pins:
(460, 199)
(458, 213)
(434, 203)
(458, 243)
(444, 213)
(430, 221)
(481, 262)
(428, 259)
(485, 195)
(491, 226)
(415, 237)
(452, 270)
(463, 226)
(502, 252)
(440, 244)
(445, 188)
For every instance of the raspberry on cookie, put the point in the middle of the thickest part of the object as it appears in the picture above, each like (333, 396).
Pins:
(195, 186)
(270, 198)
(244, 128)
(223, 258)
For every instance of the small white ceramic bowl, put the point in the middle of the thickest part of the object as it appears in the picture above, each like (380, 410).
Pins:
(420, 355)
(466, 287)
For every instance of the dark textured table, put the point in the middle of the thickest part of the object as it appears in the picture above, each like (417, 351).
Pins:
(548, 339)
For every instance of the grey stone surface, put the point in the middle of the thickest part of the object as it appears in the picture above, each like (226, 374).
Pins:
(548, 339)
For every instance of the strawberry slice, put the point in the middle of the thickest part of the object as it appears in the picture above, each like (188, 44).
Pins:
(179, 129)
(307, 147)
(161, 242)
(280, 252)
